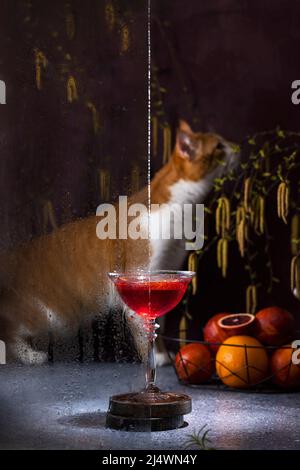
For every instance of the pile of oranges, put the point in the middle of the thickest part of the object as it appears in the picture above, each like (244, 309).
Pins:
(244, 350)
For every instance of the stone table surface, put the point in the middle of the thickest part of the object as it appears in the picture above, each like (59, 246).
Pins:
(62, 406)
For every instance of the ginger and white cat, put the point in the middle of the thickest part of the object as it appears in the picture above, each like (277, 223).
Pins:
(55, 281)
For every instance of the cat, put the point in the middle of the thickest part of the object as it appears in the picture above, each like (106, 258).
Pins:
(58, 280)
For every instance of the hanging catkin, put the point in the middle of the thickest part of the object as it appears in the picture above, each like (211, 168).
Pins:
(259, 215)
(241, 229)
(240, 215)
(192, 266)
(72, 94)
(295, 275)
(223, 216)
(241, 238)
(49, 218)
(95, 114)
(154, 135)
(110, 16)
(251, 298)
(283, 197)
(40, 64)
(104, 184)
(295, 234)
(222, 255)
(247, 194)
(125, 39)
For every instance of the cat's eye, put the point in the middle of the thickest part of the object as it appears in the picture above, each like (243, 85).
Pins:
(220, 146)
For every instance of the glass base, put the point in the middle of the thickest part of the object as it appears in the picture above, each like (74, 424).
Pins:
(148, 410)
(125, 423)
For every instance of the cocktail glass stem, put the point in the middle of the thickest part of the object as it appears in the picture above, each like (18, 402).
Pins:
(150, 327)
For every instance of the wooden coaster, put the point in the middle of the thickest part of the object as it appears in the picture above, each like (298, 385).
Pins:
(144, 412)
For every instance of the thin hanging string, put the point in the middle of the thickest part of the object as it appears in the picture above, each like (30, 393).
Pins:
(149, 122)
(148, 324)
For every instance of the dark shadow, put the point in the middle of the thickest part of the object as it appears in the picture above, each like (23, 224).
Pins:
(84, 420)
(90, 420)
(185, 425)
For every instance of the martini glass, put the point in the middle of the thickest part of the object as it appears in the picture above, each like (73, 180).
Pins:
(151, 295)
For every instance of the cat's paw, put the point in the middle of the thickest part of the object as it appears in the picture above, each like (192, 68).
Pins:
(28, 356)
(35, 357)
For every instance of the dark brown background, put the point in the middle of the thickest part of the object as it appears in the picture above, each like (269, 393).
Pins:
(236, 59)
(226, 65)
(48, 146)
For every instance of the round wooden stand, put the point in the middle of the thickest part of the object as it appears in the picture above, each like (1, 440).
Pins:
(142, 412)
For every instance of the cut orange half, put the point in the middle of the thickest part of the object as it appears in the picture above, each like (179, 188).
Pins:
(237, 323)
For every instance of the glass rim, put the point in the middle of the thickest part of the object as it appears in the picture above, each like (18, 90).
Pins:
(155, 272)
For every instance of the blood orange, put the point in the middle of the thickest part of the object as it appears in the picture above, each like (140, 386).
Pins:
(194, 363)
(213, 333)
(237, 324)
(273, 326)
(286, 374)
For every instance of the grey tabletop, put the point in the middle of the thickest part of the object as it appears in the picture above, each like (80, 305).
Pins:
(62, 406)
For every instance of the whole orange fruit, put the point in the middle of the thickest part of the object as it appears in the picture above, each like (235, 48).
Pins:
(286, 374)
(194, 363)
(239, 364)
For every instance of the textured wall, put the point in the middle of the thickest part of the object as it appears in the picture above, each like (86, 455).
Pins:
(227, 64)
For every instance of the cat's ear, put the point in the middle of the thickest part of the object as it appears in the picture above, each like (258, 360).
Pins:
(185, 145)
(184, 127)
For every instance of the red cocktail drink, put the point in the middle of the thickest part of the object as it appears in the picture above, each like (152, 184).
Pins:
(151, 295)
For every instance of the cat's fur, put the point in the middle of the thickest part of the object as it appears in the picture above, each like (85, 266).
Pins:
(56, 280)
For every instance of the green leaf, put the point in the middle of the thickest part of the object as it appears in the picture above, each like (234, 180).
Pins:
(262, 153)
(280, 133)
(198, 439)
(235, 148)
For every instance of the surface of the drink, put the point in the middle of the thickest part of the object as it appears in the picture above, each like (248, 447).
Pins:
(152, 298)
